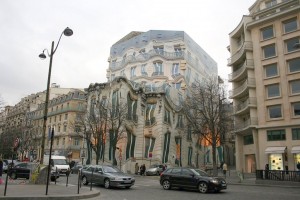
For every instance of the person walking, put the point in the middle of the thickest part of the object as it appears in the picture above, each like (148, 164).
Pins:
(224, 167)
(136, 168)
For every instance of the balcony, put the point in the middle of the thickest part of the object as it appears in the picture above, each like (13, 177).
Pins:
(241, 73)
(243, 89)
(244, 107)
(246, 46)
(144, 57)
(242, 126)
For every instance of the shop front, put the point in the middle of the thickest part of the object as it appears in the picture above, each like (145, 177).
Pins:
(276, 157)
(296, 152)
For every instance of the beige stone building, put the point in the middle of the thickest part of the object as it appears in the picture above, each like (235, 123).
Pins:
(63, 111)
(265, 63)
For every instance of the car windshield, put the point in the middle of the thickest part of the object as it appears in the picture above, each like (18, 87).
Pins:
(108, 169)
(199, 172)
(60, 162)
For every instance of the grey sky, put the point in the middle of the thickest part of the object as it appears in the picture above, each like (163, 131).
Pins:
(29, 26)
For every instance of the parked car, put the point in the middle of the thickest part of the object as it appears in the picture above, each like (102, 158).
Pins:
(22, 170)
(108, 176)
(154, 170)
(189, 178)
(5, 167)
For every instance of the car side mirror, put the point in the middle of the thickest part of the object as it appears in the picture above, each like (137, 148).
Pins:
(100, 171)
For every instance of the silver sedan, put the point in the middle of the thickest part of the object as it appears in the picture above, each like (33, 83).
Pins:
(108, 176)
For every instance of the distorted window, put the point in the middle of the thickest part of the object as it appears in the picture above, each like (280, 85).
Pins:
(132, 72)
(175, 69)
(248, 139)
(295, 133)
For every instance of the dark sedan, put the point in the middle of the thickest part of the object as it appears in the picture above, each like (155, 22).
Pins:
(189, 178)
(109, 176)
(22, 170)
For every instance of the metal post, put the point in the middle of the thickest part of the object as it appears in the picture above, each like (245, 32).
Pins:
(49, 165)
(46, 107)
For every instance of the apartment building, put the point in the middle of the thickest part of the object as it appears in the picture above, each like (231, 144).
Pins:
(158, 56)
(62, 114)
(265, 63)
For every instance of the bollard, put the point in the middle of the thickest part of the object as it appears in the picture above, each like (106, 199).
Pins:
(78, 182)
(67, 173)
(91, 187)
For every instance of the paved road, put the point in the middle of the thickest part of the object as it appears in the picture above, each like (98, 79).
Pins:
(148, 188)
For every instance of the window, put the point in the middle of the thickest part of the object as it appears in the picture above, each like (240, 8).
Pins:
(76, 142)
(248, 139)
(143, 69)
(275, 111)
(167, 117)
(180, 121)
(150, 119)
(267, 33)
(58, 128)
(131, 108)
(189, 133)
(177, 85)
(296, 108)
(190, 156)
(295, 133)
(64, 141)
(178, 146)
(269, 51)
(158, 68)
(62, 107)
(149, 146)
(55, 119)
(295, 87)
(188, 75)
(122, 73)
(294, 65)
(175, 69)
(65, 128)
(132, 72)
(130, 145)
(178, 51)
(59, 117)
(292, 44)
(166, 147)
(275, 135)
(66, 116)
(159, 50)
(271, 70)
(273, 90)
(290, 25)
(270, 3)
(115, 104)
(57, 141)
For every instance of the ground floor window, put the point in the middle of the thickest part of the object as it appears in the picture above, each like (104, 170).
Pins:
(276, 161)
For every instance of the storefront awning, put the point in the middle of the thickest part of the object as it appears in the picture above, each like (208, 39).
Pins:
(275, 150)
(296, 149)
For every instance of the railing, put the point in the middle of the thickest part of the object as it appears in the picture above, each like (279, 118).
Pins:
(238, 90)
(238, 72)
(247, 45)
(241, 106)
(278, 175)
(144, 57)
(253, 121)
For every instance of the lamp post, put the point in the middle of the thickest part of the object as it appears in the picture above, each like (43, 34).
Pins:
(66, 32)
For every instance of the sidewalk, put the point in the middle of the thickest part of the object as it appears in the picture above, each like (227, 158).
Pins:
(35, 192)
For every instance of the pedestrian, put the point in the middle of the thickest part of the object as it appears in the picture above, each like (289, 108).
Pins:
(1, 170)
(224, 167)
(136, 170)
(267, 171)
(142, 169)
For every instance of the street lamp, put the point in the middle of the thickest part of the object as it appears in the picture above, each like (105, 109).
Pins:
(66, 32)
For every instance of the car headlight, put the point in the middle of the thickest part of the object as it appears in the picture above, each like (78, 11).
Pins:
(214, 181)
(116, 179)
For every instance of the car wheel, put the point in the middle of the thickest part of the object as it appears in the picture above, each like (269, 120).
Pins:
(166, 184)
(203, 188)
(13, 175)
(107, 183)
(84, 181)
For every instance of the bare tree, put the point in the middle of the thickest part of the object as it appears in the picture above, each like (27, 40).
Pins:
(206, 114)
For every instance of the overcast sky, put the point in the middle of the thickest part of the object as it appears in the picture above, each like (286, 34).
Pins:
(29, 26)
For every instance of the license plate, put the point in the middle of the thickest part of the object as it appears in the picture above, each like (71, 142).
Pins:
(127, 181)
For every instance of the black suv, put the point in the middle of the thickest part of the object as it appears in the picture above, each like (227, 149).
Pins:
(190, 178)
